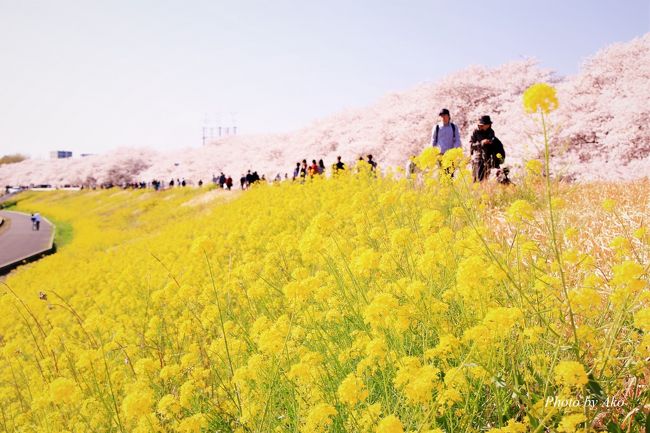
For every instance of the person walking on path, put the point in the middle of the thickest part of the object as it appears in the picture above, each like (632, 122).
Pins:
(37, 221)
(486, 150)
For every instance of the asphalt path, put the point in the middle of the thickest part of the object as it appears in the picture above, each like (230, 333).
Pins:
(18, 240)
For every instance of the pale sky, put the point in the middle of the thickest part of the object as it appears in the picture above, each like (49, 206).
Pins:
(90, 76)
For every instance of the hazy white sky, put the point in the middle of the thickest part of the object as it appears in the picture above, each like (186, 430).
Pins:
(89, 76)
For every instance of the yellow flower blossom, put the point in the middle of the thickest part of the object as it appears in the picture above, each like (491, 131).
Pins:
(534, 167)
(570, 374)
(352, 390)
(137, 403)
(63, 390)
(319, 418)
(520, 211)
(512, 427)
(569, 423)
(642, 319)
(609, 204)
(193, 424)
(540, 97)
(390, 424)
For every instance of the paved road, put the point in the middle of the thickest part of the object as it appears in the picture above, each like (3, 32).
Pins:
(18, 240)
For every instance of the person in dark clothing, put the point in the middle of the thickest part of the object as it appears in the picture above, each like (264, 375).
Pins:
(321, 166)
(339, 164)
(249, 178)
(229, 183)
(303, 170)
(242, 180)
(296, 171)
(373, 163)
(486, 150)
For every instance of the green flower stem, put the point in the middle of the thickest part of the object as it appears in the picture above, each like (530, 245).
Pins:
(556, 248)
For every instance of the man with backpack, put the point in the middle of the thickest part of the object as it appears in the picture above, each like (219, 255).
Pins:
(447, 135)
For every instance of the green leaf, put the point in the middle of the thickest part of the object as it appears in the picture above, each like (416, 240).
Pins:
(612, 427)
(595, 389)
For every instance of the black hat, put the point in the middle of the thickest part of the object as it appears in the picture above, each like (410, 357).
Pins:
(443, 111)
(485, 120)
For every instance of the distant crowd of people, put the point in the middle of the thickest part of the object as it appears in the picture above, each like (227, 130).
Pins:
(302, 170)
(486, 153)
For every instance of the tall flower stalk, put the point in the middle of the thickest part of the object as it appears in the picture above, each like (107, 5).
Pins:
(542, 98)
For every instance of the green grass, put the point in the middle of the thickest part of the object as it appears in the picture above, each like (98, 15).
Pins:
(63, 233)
(8, 205)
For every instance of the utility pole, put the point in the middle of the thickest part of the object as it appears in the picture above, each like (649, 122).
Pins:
(223, 126)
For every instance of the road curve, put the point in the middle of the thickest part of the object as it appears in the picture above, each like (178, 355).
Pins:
(18, 241)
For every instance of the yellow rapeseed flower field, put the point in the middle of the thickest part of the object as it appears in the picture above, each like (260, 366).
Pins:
(358, 303)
